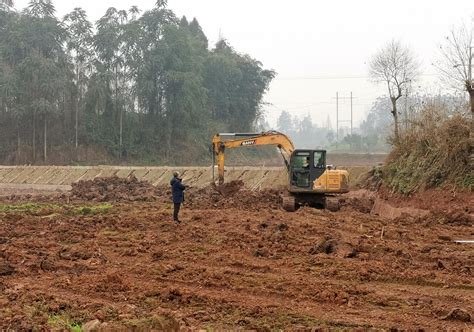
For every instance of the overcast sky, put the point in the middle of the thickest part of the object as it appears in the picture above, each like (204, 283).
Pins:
(317, 48)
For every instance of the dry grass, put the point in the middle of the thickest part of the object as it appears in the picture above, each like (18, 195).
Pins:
(434, 151)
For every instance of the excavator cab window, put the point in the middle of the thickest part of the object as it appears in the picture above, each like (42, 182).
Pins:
(301, 160)
(301, 165)
(319, 159)
(306, 166)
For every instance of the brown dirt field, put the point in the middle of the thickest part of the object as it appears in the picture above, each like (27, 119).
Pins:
(236, 262)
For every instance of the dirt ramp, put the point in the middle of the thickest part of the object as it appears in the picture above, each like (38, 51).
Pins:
(385, 210)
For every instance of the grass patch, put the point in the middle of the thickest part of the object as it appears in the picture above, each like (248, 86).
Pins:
(64, 322)
(155, 322)
(52, 210)
(199, 250)
(92, 210)
(26, 207)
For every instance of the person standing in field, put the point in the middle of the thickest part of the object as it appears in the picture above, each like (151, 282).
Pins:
(177, 189)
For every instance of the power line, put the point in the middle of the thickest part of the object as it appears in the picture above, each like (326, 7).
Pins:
(296, 78)
(319, 78)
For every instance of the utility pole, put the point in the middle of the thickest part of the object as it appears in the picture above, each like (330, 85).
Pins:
(337, 119)
(351, 98)
(351, 114)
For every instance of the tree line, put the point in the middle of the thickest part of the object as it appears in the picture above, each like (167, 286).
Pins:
(374, 132)
(133, 86)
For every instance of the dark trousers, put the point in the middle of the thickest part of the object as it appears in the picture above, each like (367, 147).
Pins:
(177, 207)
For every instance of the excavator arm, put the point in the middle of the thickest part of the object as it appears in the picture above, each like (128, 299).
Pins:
(221, 142)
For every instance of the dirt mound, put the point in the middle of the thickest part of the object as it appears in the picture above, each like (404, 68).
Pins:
(230, 188)
(232, 195)
(359, 200)
(113, 189)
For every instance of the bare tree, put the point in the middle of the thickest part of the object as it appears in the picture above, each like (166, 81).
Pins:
(457, 58)
(456, 65)
(396, 66)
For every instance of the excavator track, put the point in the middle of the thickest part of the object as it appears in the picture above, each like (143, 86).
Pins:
(332, 204)
(288, 203)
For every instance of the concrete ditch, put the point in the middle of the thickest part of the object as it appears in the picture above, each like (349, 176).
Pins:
(61, 177)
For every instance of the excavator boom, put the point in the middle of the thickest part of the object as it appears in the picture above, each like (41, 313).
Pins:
(221, 142)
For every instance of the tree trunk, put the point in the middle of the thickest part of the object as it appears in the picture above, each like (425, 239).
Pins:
(471, 132)
(121, 131)
(395, 120)
(76, 124)
(118, 113)
(34, 137)
(471, 101)
(75, 120)
(78, 97)
(18, 146)
(45, 143)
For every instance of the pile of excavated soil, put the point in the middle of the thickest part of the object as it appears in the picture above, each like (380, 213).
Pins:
(359, 200)
(229, 188)
(113, 189)
(233, 195)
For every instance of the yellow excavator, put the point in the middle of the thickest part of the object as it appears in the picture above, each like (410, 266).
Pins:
(310, 181)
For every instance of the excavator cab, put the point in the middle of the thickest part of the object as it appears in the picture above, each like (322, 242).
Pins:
(312, 183)
(306, 166)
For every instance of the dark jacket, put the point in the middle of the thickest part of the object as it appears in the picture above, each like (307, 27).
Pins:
(177, 188)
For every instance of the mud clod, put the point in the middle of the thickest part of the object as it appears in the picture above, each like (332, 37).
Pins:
(6, 269)
(330, 246)
(282, 227)
(458, 315)
(261, 252)
(325, 246)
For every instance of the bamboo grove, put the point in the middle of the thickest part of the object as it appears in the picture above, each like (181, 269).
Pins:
(135, 86)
